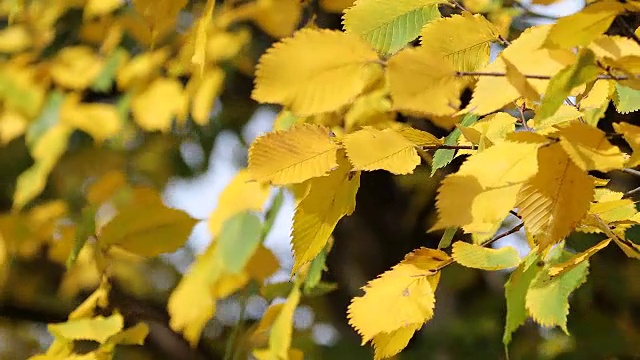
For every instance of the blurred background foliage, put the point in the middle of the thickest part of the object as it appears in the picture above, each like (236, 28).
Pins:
(106, 89)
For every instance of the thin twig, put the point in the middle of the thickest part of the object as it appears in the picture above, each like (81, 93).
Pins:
(457, 4)
(450, 147)
(487, 243)
(521, 109)
(630, 193)
(630, 32)
(528, 76)
(631, 171)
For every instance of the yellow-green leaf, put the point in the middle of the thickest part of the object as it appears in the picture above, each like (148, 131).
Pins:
(314, 71)
(292, 156)
(372, 149)
(389, 26)
(281, 330)
(480, 257)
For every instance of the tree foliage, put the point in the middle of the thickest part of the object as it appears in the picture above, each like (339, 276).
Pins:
(95, 96)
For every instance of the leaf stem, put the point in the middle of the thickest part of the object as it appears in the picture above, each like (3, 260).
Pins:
(450, 147)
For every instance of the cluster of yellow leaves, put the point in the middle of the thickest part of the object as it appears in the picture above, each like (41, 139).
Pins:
(322, 77)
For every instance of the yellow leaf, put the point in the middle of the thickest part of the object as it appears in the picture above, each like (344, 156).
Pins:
(278, 18)
(558, 269)
(141, 68)
(192, 303)
(388, 344)
(329, 199)
(155, 107)
(262, 264)
(76, 67)
(12, 125)
(370, 109)
(464, 40)
(614, 47)
(418, 137)
(423, 83)
(209, 87)
(14, 39)
(490, 130)
(95, 8)
(529, 59)
(371, 149)
(160, 15)
(199, 53)
(97, 329)
(563, 114)
(314, 71)
(99, 298)
(480, 257)
(101, 121)
(589, 148)
(585, 26)
(553, 202)
(147, 229)
(401, 297)
(292, 156)
(389, 26)
(239, 195)
(631, 134)
(335, 6)
(224, 45)
(483, 191)
(281, 330)
(267, 320)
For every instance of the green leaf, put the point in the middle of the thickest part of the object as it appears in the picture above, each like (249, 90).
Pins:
(443, 157)
(148, 229)
(626, 99)
(515, 293)
(548, 297)
(86, 227)
(314, 274)
(98, 329)
(480, 257)
(584, 70)
(389, 26)
(48, 118)
(238, 240)
(276, 290)
(104, 80)
(447, 237)
(272, 213)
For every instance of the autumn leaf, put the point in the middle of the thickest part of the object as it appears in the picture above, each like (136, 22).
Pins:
(480, 257)
(585, 26)
(631, 134)
(314, 71)
(589, 148)
(464, 40)
(329, 199)
(288, 157)
(423, 83)
(148, 229)
(403, 297)
(199, 54)
(156, 106)
(371, 149)
(281, 330)
(97, 329)
(388, 27)
(553, 202)
(577, 259)
(388, 344)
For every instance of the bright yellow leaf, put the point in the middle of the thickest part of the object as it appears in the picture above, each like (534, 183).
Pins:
(101, 121)
(372, 149)
(480, 257)
(12, 125)
(97, 329)
(281, 330)
(76, 67)
(418, 137)
(239, 195)
(329, 199)
(156, 106)
(464, 40)
(278, 18)
(95, 8)
(555, 200)
(15, 38)
(388, 344)
(200, 44)
(160, 15)
(614, 47)
(314, 71)
(209, 87)
(423, 83)
(141, 68)
(389, 26)
(564, 114)
(584, 26)
(335, 6)
(589, 148)
(631, 134)
(401, 297)
(287, 157)
(577, 259)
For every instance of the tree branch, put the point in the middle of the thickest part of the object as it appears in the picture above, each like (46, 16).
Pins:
(630, 32)
(528, 76)
(450, 147)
